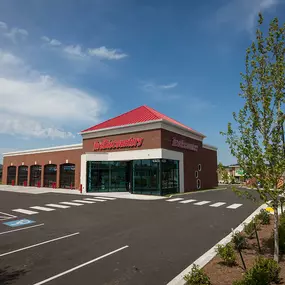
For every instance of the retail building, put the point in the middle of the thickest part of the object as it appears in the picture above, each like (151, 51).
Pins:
(141, 151)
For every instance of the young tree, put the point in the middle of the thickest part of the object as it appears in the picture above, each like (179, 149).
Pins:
(258, 141)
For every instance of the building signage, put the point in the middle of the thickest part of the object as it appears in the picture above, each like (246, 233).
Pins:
(184, 145)
(118, 144)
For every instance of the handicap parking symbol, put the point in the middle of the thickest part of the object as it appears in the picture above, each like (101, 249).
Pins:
(18, 223)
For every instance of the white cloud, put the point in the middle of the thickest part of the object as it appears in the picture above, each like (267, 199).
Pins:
(105, 53)
(168, 86)
(79, 52)
(15, 34)
(74, 50)
(243, 13)
(51, 42)
(3, 26)
(33, 105)
(160, 92)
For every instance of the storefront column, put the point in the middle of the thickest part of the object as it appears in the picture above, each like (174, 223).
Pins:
(16, 178)
(42, 175)
(57, 175)
(28, 178)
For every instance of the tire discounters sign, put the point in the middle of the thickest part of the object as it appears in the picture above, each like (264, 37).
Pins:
(184, 145)
(117, 144)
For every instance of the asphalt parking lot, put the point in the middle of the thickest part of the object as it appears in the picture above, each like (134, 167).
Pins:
(115, 241)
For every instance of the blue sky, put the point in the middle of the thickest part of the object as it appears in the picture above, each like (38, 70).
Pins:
(67, 65)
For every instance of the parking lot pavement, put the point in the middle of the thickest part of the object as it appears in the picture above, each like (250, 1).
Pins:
(113, 242)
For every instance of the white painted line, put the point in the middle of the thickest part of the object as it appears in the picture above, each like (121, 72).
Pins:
(71, 204)
(21, 229)
(23, 211)
(175, 199)
(96, 200)
(202, 203)
(234, 206)
(84, 202)
(106, 198)
(211, 253)
(218, 204)
(38, 244)
(42, 208)
(57, 206)
(187, 201)
(9, 215)
(90, 199)
(80, 266)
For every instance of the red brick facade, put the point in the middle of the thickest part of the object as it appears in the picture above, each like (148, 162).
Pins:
(152, 139)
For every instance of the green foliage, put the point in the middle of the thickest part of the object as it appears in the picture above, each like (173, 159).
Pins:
(264, 272)
(249, 229)
(197, 277)
(239, 241)
(227, 254)
(263, 217)
(258, 141)
(281, 232)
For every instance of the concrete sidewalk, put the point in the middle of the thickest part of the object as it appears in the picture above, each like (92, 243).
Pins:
(42, 190)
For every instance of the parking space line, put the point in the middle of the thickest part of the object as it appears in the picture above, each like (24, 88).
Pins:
(218, 204)
(37, 244)
(202, 203)
(58, 206)
(85, 202)
(21, 229)
(96, 200)
(9, 215)
(42, 208)
(175, 199)
(187, 201)
(80, 266)
(234, 206)
(106, 198)
(23, 211)
(71, 203)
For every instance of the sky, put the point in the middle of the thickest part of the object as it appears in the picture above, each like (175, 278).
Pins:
(67, 65)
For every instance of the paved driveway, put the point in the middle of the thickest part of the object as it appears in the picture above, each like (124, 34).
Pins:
(111, 241)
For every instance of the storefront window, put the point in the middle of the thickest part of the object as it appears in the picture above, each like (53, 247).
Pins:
(169, 176)
(146, 177)
(107, 176)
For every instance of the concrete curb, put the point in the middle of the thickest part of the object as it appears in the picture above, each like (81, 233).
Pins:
(196, 192)
(211, 253)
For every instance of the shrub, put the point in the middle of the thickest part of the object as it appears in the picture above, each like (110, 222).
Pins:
(249, 229)
(264, 272)
(239, 241)
(197, 277)
(227, 254)
(264, 217)
(281, 232)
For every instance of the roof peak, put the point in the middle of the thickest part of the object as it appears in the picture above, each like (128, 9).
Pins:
(141, 114)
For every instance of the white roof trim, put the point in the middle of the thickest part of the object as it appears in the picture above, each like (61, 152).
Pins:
(43, 150)
(145, 126)
(210, 147)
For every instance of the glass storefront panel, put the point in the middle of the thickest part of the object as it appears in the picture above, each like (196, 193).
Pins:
(107, 176)
(146, 177)
(169, 176)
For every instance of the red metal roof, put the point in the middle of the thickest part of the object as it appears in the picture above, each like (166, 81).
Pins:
(141, 114)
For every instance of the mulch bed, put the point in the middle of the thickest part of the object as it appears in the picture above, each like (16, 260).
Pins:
(221, 274)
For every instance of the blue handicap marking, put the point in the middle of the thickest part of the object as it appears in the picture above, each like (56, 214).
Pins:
(18, 223)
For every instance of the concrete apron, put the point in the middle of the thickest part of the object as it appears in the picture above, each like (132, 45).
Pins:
(41, 190)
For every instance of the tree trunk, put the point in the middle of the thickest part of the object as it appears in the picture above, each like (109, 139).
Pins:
(276, 236)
